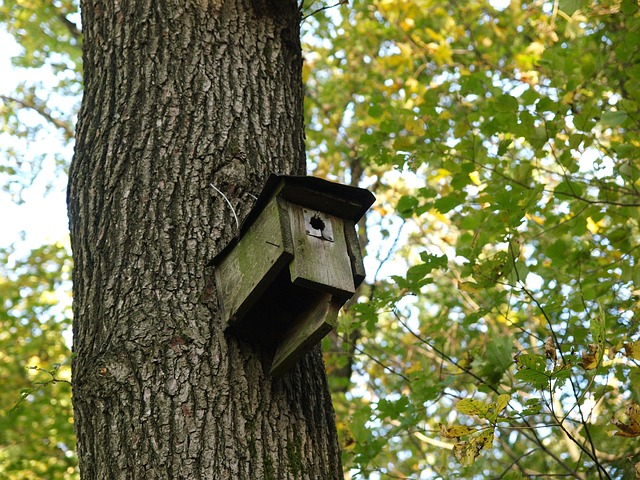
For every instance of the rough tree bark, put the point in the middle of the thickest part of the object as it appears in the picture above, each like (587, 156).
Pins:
(180, 94)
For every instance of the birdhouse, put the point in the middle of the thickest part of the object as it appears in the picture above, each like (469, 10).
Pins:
(295, 262)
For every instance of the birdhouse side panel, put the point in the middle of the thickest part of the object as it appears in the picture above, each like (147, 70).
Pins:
(355, 252)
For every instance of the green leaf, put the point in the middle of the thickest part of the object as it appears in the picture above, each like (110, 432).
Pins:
(613, 119)
(418, 272)
(561, 373)
(415, 278)
(629, 7)
(498, 359)
(597, 327)
(557, 250)
(512, 475)
(376, 111)
(407, 205)
(539, 380)
(434, 261)
(506, 104)
(446, 204)
(569, 6)
(532, 407)
(393, 409)
(570, 188)
(532, 369)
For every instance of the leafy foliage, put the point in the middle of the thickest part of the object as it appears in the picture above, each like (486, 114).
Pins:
(36, 427)
(632, 427)
(502, 137)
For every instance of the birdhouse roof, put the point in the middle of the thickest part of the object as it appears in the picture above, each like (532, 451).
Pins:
(342, 201)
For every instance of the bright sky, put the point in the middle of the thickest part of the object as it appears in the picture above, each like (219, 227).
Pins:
(42, 217)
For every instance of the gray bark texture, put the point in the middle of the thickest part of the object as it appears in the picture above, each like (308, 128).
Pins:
(181, 94)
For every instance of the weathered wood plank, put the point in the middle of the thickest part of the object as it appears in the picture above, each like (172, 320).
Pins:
(311, 326)
(318, 263)
(354, 252)
(248, 269)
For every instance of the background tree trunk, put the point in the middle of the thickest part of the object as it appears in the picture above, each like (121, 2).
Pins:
(178, 95)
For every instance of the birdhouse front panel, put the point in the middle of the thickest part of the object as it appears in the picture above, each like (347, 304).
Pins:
(320, 258)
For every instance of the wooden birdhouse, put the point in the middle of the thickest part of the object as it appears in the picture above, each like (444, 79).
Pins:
(296, 261)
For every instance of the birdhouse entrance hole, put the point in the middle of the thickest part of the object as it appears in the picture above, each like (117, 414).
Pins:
(317, 225)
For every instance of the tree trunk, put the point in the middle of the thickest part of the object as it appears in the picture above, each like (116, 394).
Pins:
(179, 95)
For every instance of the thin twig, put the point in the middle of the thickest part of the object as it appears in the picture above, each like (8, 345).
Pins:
(375, 360)
(45, 112)
(442, 354)
(326, 7)
(390, 252)
(592, 454)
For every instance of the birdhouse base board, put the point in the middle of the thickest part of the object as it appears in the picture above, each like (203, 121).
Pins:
(309, 329)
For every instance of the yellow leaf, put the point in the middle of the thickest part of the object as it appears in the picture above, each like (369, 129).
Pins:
(349, 444)
(455, 431)
(306, 72)
(442, 54)
(434, 35)
(415, 367)
(467, 452)
(503, 401)
(535, 49)
(407, 24)
(469, 406)
(495, 408)
(466, 360)
(632, 427)
(381, 210)
(440, 174)
(469, 287)
(593, 227)
(632, 350)
(567, 98)
(414, 126)
(538, 220)
(475, 178)
(590, 358)
(406, 51)
(412, 84)
(550, 349)
(485, 439)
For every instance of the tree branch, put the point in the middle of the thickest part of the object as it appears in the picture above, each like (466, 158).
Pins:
(72, 27)
(44, 112)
